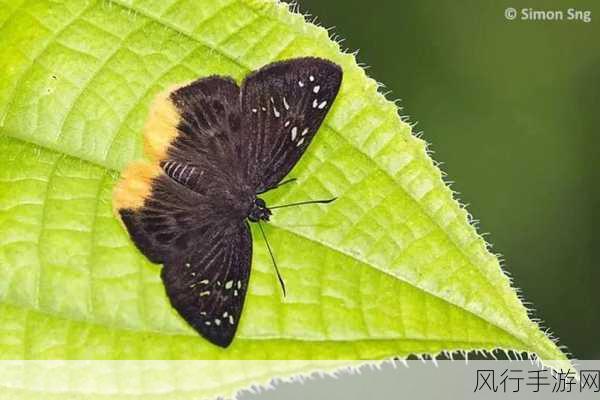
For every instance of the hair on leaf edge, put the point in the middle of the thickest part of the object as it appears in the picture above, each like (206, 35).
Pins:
(426, 147)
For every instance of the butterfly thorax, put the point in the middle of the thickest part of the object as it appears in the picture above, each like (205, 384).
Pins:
(259, 211)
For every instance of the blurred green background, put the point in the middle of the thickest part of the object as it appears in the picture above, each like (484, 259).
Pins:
(512, 110)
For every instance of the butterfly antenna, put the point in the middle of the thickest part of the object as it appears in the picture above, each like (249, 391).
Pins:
(279, 185)
(304, 202)
(273, 259)
(285, 182)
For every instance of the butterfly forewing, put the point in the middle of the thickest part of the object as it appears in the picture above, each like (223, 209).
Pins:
(205, 153)
(207, 285)
(283, 105)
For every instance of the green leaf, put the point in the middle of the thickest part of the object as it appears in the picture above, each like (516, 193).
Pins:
(392, 268)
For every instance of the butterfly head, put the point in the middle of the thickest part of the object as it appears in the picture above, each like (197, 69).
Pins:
(259, 211)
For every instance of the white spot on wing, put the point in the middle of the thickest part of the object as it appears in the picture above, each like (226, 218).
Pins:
(275, 112)
(228, 284)
(205, 293)
(285, 103)
(231, 319)
(300, 83)
(300, 142)
(239, 284)
(207, 323)
(311, 78)
(287, 123)
(294, 133)
(316, 89)
(322, 104)
(315, 103)
(305, 131)
(217, 321)
(263, 108)
(254, 110)
(204, 281)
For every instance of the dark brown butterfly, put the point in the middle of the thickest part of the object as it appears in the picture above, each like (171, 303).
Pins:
(214, 147)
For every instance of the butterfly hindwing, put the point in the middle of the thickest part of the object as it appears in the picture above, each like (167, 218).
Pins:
(283, 106)
(208, 284)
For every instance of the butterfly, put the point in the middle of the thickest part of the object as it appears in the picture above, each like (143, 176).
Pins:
(213, 147)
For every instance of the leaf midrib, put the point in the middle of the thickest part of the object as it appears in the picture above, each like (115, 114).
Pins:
(287, 338)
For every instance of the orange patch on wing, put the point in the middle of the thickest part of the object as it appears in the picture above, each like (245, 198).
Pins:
(135, 185)
(161, 126)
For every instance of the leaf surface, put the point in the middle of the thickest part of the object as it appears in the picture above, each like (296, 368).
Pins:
(392, 268)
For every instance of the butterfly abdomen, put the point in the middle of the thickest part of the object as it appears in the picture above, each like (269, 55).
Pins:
(181, 172)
